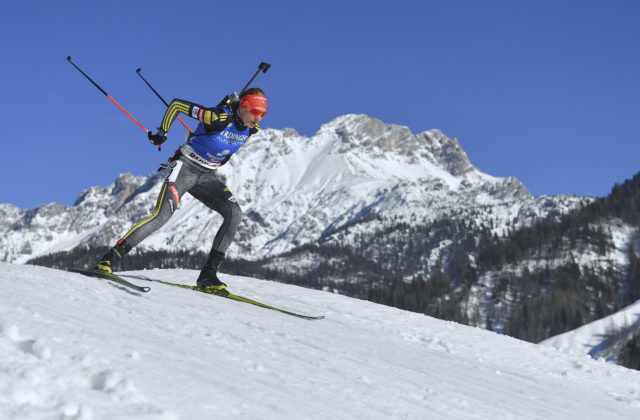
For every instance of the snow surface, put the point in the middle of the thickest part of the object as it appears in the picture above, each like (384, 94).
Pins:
(80, 348)
(601, 338)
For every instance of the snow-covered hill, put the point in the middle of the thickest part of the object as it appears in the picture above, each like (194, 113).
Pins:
(603, 338)
(80, 348)
(296, 190)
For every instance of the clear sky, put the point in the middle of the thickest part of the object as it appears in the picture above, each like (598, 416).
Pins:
(546, 91)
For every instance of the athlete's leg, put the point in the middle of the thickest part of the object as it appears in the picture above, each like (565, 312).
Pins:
(178, 180)
(215, 195)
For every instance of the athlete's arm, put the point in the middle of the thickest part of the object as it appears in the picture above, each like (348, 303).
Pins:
(210, 116)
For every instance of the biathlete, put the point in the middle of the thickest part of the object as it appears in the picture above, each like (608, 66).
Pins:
(220, 133)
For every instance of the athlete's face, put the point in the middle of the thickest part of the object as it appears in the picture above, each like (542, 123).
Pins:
(250, 119)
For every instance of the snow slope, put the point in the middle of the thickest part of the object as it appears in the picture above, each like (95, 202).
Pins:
(601, 338)
(80, 348)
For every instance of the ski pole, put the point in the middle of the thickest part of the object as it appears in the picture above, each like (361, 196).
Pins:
(263, 67)
(162, 99)
(109, 96)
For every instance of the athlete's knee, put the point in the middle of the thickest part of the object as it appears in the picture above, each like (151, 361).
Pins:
(172, 199)
(166, 208)
(232, 213)
(236, 212)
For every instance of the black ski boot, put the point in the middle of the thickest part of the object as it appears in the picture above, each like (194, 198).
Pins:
(208, 278)
(112, 257)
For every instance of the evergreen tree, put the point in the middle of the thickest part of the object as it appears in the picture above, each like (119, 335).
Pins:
(633, 275)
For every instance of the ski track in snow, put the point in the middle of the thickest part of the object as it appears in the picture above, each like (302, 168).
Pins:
(80, 348)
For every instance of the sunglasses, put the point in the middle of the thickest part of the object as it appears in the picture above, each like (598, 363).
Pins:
(256, 112)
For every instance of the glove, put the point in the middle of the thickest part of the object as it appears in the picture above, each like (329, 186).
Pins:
(157, 139)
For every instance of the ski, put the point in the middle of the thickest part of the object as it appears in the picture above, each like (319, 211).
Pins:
(111, 277)
(225, 293)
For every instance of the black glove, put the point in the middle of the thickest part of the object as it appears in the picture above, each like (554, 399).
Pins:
(157, 139)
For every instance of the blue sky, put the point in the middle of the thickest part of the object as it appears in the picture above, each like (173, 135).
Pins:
(546, 91)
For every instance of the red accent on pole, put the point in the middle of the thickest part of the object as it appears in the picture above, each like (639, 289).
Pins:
(185, 124)
(125, 111)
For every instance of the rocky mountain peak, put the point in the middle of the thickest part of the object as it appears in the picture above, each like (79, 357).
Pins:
(359, 132)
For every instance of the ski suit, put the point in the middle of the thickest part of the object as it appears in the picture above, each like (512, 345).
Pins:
(193, 169)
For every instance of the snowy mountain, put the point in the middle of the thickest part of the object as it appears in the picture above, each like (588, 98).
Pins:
(80, 348)
(559, 275)
(356, 175)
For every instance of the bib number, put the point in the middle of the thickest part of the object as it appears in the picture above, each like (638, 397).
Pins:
(174, 170)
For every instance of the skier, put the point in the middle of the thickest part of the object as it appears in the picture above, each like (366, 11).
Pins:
(220, 133)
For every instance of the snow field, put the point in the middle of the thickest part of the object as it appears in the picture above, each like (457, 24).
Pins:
(80, 348)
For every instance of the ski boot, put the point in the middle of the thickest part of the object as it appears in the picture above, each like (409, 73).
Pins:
(112, 257)
(208, 278)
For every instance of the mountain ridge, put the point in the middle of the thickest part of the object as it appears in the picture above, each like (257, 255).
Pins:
(387, 161)
(292, 187)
